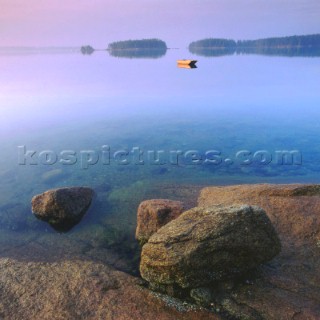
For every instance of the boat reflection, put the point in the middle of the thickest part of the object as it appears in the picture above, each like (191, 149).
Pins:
(185, 66)
(134, 53)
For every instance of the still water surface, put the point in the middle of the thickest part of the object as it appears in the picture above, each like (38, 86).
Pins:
(239, 112)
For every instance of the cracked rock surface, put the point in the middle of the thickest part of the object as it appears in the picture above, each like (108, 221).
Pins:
(288, 287)
(207, 244)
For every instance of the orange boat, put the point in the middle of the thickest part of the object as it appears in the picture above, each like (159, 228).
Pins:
(189, 64)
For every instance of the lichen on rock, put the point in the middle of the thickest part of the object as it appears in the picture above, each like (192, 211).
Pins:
(205, 245)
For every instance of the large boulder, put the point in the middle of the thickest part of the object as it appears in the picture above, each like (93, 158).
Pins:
(292, 208)
(62, 208)
(154, 214)
(81, 289)
(205, 245)
(286, 287)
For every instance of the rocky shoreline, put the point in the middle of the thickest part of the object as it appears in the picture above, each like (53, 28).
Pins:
(286, 287)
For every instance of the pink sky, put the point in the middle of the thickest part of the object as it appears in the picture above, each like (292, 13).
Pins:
(97, 22)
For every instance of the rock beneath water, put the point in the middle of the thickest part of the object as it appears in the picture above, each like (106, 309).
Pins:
(154, 214)
(205, 245)
(8, 176)
(202, 296)
(62, 208)
(16, 216)
(52, 176)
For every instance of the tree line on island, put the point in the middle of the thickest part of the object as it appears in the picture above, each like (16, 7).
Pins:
(145, 48)
(307, 45)
(138, 44)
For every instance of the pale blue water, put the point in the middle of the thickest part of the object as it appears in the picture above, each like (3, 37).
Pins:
(69, 102)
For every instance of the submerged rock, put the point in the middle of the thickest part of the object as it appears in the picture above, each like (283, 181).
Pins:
(62, 208)
(205, 245)
(52, 176)
(7, 176)
(202, 296)
(16, 217)
(154, 214)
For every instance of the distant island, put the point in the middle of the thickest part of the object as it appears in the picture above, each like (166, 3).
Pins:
(308, 45)
(138, 44)
(87, 50)
(145, 48)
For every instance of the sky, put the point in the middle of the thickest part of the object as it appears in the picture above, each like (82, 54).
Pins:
(98, 22)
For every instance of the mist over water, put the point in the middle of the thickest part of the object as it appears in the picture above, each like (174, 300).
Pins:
(257, 105)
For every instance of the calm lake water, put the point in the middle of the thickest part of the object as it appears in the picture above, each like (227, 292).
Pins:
(143, 128)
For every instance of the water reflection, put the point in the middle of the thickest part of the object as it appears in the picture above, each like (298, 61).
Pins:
(138, 53)
(267, 51)
(292, 46)
(187, 66)
(66, 102)
(212, 52)
(285, 52)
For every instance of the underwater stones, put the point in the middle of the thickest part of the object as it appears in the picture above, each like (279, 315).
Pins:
(103, 187)
(62, 208)
(7, 176)
(15, 216)
(52, 176)
(153, 214)
(201, 296)
(204, 245)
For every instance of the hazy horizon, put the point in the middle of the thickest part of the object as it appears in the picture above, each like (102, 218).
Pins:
(76, 23)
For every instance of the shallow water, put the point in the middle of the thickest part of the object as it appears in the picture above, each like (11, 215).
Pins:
(229, 121)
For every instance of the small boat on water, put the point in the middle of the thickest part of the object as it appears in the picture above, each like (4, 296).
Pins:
(187, 62)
